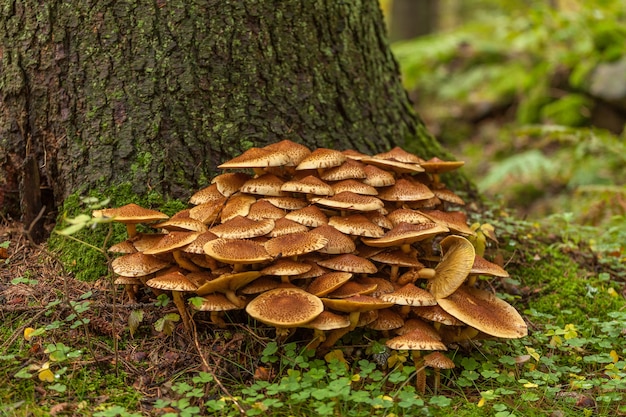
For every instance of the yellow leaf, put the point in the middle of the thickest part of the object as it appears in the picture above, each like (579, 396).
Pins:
(533, 353)
(46, 375)
(556, 341)
(611, 291)
(530, 385)
(337, 355)
(614, 356)
(27, 333)
(355, 378)
(481, 402)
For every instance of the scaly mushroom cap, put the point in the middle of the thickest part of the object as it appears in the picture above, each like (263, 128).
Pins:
(208, 212)
(350, 169)
(328, 321)
(405, 233)
(144, 241)
(405, 190)
(377, 177)
(410, 295)
(337, 242)
(351, 289)
(395, 166)
(236, 251)
(286, 267)
(206, 194)
(285, 226)
(419, 338)
(130, 213)
(358, 303)
(355, 186)
(310, 216)
(485, 312)
(197, 246)
(321, 158)
(383, 286)
(404, 215)
(242, 228)
(237, 205)
(294, 151)
(400, 155)
(262, 209)
(257, 158)
(230, 182)
(266, 185)
(456, 263)
(181, 224)
(349, 263)
(285, 307)
(437, 314)
(307, 185)
(437, 166)
(171, 242)
(287, 203)
(174, 281)
(348, 200)
(438, 360)
(456, 221)
(397, 258)
(482, 266)
(228, 282)
(387, 320)
(444, 194)
(137, 265)
(328, 282)
(295, 244)
(216, 302)
(356, 225)
(124, 247)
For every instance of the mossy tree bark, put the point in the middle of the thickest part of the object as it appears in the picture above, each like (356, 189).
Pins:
(98, 93)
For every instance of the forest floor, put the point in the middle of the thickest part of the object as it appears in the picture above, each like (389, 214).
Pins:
(82, 331)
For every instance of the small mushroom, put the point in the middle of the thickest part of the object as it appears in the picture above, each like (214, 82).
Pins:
(130, 215)
(437, 361)
(177, 284)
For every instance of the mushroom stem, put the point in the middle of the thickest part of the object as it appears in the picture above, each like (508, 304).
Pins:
(184, 262)
(354, 319)
(217, 319)
(318, 337)
(234, 298)
(420, 369)
(131, 229)
(437, 380)
(471, 279)
(427, 273)
(333, 337)
(393, 275)
(182, 309)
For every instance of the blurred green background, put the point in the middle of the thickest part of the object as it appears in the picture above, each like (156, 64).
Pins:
(531, 94)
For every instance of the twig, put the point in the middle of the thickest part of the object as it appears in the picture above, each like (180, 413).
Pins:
(207, 368)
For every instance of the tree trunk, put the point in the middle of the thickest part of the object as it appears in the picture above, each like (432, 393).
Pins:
(157, 94)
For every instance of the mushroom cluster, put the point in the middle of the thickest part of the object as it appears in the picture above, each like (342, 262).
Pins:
(324, 240)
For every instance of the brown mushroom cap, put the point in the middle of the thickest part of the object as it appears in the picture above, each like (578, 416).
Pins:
(456, 263)
(328, 282)
(417, 339)
(295, 244)
(400, 155)
(207, 212)
(397, 258)
(242, 228)
(355, 186)
(404, 215)
(352, 288)
(437, 314)
(174, 281)
(482, 266)
(387, 320)
(348, 200)
(405, 233)
(236, 251)
(453, 220)
(321, 158)
(405, 190)
(206, 194)
(307, 185)
(266, 185)
(350, 169)
(438, 360)
(437, 166)
(228, 282)
(216, 302)
(310, 216)
(328, 321)
(137, 265)
(357, 225)
(395, 166)
(295, 152)
(377, 177)
(237, 205)
(257, 158)
(410, 295)
(349, 263)
(286, 267)
(444, 194)
(337, 242)
(284, 226)
(285, 307)
(358, 303)
(287, 203)
(123, 247)
(485, 312)
(230, 182)
(130, 213)
(172, 241)
(181, 224)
